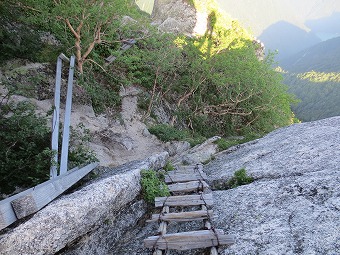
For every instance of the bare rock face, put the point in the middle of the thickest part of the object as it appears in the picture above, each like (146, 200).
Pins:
(174, 16)
(199, 154)
(177, 147)
(293, 206)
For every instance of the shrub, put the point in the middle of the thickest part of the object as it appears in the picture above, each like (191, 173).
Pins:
(25, 156)
(102, 89)
(167, 133)
(240, 178)
(153, 186)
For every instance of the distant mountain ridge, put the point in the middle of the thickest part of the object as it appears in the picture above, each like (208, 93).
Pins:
(315, 20)
(287, 38)
(313, 77)
(260, 14)
(323, 57)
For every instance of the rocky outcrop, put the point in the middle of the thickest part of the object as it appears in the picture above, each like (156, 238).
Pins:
(99, 213)
(293, 206)
(201, 153)
(175, 16)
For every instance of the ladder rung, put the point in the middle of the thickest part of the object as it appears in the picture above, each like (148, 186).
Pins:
(189, 240)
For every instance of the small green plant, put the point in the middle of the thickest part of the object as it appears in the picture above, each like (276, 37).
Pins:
(107, 222)
(167, 133)
(153, 186)
(224, 144)
(240, 178)
(169, 166)
(102, 89)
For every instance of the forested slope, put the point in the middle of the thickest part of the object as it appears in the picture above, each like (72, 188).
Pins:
(314, 77)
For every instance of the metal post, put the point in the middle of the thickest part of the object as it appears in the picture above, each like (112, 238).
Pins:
(55, 120)
(67, 121)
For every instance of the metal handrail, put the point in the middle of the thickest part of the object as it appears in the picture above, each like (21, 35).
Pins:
(56, 117)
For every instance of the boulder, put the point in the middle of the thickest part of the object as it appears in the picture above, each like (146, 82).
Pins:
(174, 16)
(293, 205)
(177, 147)
(201, 153)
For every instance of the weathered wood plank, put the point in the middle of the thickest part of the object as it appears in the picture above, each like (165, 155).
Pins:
(185, 174)
(175, 177)
(33, 199)
(187, 200)
(189, 240)
(188, 186)
(184, 170)
(182, 216)
(193, 169)
(125, 46)
(189, 171)
(130, 41)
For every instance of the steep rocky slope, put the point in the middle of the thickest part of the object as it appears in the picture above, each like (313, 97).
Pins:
(292, 207)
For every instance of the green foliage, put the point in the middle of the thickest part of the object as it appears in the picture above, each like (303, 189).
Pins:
(21, 40)
(25, 154)
(319, 95)
(168, 133)
(81, 26)
(214, 84)
(169, 167)
(240, 178)
(102, 88)
(153, 186)
(79, 151)
(24, 148)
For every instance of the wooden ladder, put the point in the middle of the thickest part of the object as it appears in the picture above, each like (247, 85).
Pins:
(184, 180)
